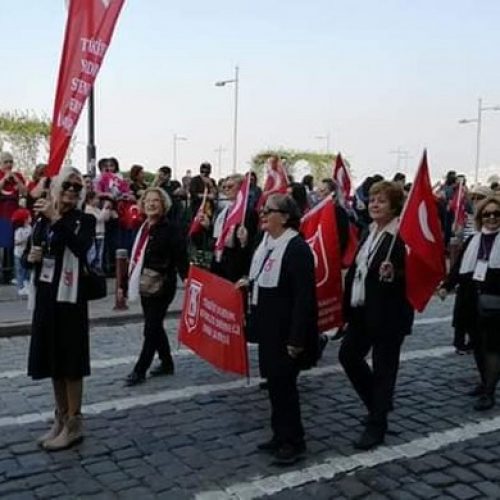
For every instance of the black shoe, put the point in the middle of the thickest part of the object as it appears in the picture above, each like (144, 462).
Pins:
(339, 334)
(477, 391)
(289, 454)
(133, 378)
(372, 436)
(263, 385)
(485, 402)
(270, 446)
(162, 369)
(323, 340)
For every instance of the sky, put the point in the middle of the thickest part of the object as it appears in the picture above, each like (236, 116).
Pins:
(376, 76)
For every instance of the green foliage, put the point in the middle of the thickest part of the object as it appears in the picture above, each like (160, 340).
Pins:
(320, 164)
(25, 133)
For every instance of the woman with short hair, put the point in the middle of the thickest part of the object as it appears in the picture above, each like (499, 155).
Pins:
(158, 255)
(59, 348)
(476, 277)
(377, 312)
(283, 318)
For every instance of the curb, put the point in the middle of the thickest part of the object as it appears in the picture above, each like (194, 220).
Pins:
(23, 328)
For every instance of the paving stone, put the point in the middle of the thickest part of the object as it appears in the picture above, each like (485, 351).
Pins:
(352, 488)
(488, 488)
(462, 492)
(487, 471)
(438, 479)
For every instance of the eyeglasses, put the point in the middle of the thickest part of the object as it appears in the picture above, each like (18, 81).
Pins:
(267, 211)
(228, 186)
(487, 215)
(8, 161)
(76, 186)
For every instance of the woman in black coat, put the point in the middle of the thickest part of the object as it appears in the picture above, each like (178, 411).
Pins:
(233, 261)
(283, 318)
(59, 346)
(476, 277)
(377, 312)
(158, 255)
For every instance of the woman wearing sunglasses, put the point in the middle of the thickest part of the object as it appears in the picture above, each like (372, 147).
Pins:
(283, 318)
(476, 277)
(59, 347)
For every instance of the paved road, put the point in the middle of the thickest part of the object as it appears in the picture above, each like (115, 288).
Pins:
(193, 435)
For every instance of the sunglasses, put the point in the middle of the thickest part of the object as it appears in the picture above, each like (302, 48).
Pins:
(267, 211)
(487, 215)
(76, 186)
(6, 162)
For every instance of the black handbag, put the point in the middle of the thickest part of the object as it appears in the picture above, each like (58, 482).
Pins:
(488, 305)
(93, 284)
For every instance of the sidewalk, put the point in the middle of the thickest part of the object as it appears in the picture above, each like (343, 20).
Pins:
(15, 319)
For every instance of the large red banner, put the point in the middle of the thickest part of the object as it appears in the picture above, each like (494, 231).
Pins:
(212, 321)
(319, 227)
(89, 29)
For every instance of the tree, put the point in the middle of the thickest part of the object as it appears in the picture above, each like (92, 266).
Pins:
(25, 133)
(320, 164)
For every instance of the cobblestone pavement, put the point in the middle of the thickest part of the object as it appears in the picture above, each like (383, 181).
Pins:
(193, 435)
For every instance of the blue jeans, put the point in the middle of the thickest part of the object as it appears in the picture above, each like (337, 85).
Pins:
(22, 274)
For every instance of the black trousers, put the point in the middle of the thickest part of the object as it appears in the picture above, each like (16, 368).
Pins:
(155, 336)
(374, 385)
(286, 422)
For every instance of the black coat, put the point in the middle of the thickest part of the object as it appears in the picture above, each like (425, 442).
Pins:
(59, 345)
(166, 253)
(287, 314)
(235, 260)
(465, 311)
(387, 311)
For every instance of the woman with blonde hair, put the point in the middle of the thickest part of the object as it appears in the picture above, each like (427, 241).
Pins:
(158, 255)
(59, 347)
(476, 277)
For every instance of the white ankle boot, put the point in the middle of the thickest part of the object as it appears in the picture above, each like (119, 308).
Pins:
(71, 433)
(54, 431)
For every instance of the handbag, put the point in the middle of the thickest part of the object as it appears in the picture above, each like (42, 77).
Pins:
(150, 282)
(488, 305)
(93, 284)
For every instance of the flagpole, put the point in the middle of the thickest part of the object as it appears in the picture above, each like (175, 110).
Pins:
(91, 149)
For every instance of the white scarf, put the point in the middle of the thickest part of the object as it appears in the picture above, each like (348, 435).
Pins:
(364, 258)
(219, 221)
(134, 271)
(267, 260)
(67, 290)
(469, 259)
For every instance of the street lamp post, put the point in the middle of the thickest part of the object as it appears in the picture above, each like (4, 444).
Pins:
(219, 152)
(236, 81)
(325, 138)
(478, 120)
(401, 154)
(174, 153)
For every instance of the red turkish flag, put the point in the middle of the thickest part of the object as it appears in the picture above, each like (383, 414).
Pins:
(88, 34)
(212, 321)
(352, 246)
(276, 182)
(196, 226)
(342, 177)
(421, 231)
(236, 214)
(319, 227)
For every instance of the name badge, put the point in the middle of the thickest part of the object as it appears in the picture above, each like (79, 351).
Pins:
(255, 293)
(48, 268)
(480, 271)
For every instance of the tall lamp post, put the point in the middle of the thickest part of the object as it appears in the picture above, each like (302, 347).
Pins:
(176, 138)
(219, 152)
(401, 154)
(478, 120)
(236, 81)
(325, 138)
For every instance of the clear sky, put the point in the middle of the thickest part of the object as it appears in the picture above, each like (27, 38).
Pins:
(375, 75)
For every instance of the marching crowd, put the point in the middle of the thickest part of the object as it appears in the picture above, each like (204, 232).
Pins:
(63, 227)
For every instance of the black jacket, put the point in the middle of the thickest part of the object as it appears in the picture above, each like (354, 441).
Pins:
(465, 312)
(166, 253)
(386, 310)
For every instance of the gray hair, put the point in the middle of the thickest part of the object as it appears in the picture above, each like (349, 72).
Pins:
(56, 185)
